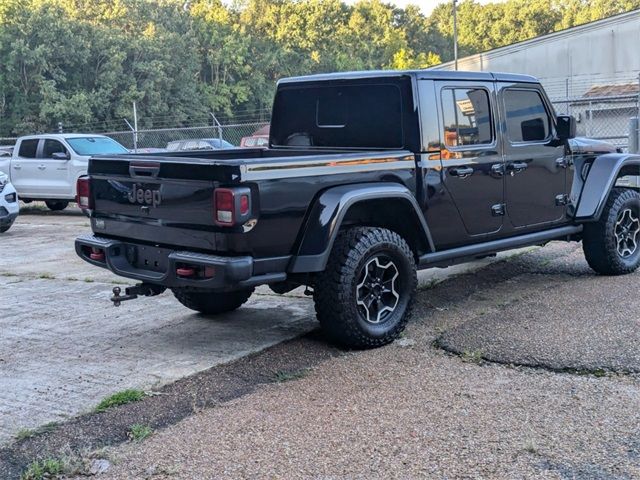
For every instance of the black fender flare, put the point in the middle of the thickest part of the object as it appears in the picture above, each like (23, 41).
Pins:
(328, 212)
(601, 178)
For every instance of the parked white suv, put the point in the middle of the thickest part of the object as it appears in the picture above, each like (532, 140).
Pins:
(46, 167)
(9, 206)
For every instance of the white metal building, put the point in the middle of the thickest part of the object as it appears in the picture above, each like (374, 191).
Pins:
(591, 71)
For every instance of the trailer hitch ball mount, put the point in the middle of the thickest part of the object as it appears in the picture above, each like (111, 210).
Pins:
(131, 293)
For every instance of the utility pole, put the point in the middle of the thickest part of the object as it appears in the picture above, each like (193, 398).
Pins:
(455, 34)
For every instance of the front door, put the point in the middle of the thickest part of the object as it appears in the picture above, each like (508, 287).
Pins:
(54, 172)
(471, 157)
(535, 164)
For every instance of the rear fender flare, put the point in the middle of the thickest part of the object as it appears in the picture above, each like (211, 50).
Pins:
(329, 210)
(601, 178)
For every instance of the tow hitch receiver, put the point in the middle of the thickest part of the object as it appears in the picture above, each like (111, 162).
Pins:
(131, 293)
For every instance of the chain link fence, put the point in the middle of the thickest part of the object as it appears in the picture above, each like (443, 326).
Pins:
(604, 118)
(161, 137)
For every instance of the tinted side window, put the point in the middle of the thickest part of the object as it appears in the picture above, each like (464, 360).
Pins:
(28, 148)
(527, 118)
(51, 147)
(467, 117)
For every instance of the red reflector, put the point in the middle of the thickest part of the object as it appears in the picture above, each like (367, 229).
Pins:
(97, 255)
(244, 204)
(186, 272)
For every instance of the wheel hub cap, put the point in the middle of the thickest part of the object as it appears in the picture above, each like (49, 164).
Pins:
(376, 294)
(626, 233)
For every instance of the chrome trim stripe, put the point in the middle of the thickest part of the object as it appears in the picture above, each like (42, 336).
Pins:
(326, 165)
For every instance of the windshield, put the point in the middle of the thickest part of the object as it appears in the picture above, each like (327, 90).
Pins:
(95, 145)
(221, 144)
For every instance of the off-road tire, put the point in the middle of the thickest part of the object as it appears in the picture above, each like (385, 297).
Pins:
(599, 242)
(211, 303)
(336, 289)
(56, 205)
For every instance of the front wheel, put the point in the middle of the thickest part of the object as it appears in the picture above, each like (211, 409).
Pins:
(211, 303)
(364, 297)
(612, 244)
(56, 205)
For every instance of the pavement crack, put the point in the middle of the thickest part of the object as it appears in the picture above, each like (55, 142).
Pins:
(480, 358)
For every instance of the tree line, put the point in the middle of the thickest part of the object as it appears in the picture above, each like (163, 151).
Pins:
(84, 62)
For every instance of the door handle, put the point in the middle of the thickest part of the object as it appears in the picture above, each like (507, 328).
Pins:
(497, 170)
(516, 167)
(461, 172)
(17, 167)
(42, 167)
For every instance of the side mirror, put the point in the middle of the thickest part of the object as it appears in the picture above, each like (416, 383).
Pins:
(60, 156)
(566, 127)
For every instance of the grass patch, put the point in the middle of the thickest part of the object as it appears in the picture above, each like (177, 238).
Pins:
(46, 276)
(472, 356)
(41, 469)
(32, 432)
(25, 433)
(430, 284)
(530, 446)
(138, 433)
(34, 208)
(284, 376)
(120, 398)
(89, 280)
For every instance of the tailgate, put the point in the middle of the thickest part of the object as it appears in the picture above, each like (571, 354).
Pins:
(164, 192)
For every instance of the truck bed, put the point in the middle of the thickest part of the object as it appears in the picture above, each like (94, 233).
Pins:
(179, 213)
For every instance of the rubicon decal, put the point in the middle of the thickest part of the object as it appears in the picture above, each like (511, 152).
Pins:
(144, 197)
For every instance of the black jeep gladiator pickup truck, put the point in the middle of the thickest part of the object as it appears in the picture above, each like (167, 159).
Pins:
(368, 177)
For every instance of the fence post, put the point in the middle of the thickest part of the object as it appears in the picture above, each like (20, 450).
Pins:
(634, 135)
(217, 123)
(135, 135)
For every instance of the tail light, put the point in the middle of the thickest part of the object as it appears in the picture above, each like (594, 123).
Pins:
(231, 206)
(83, 193)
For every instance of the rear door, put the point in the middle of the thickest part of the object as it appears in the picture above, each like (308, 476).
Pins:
(535, 164)
(24, 168)
(471, 153)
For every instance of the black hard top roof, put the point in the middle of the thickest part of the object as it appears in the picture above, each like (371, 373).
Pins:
(420, 74)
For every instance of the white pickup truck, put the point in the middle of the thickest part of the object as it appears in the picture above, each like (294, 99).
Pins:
(46, 167)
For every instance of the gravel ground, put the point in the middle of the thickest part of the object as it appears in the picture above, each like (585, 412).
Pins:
(412, 410)
(63, 347)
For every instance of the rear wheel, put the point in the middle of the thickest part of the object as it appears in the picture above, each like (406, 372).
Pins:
(364, 297)
(211, 303)
(612, 244)
(56, 205)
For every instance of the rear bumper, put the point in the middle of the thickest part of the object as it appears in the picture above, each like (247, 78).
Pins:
(222, 273)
